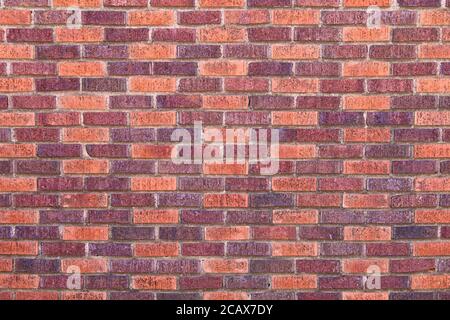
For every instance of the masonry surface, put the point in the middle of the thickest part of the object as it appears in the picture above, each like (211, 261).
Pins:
(87, 182)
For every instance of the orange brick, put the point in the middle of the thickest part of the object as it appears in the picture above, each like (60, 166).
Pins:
(85, 135)
(432, 151)
(85, 233)
(295, 17)
(152, 51)
(85, 34)
(295, 85)
(432, 118)
(225, 200)
(432, 184)
(153, 118)
(363, 34)
(15, 17)
(154, 184)
(6, 265)
(294, 282)
(19, 281)
(435, 18)
(365, 296)
(367, 3)
(37, 295)
(431, 249)
(225, 266)
(362, 265)
(223, 68)
(430, 282)
(78, 3)
(17, 150)
(80, 166)
(16, 84)
(155, 217)
(15, 51)
(85, 200)
(222, 34)
(295, 52)
(226, 295)
(297, 151)
(432, 216)
(227, 233)
(367, 233)
(366, 201)
(433, 85)
(225, 169)
(366, 102)
(151, 18)
(294, 184)
(156, 250)
(225, 102)
(151, 151)
(17, 184)
(21, 248)
(222, 3)
(297, 249)
(90, 265)
(82, 102)
(154, 282)
(295, 216)
(434, 51)
(247, 17)
(369, 135)
(17, 119)
(81, 69)
(91, 295)
(366, 69)
(288, 118)
(445, 34)
(367, 167)
(150, 84)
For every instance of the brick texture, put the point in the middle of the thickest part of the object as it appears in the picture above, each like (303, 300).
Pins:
(91, 91)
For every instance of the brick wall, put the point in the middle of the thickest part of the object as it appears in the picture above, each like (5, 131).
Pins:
(91, 91)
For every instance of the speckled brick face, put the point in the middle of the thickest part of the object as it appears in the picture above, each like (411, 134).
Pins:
(93, 205)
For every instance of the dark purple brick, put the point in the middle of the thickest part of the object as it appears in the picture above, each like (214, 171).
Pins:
(37, 167)
(30, 35)
(180, 233)
(247, 282)
(246, 51)
(57, 52)
(126, 34)
(133, 167)
(109, 216)
(248, 249)
(24, 265)
(103, 17)
(105, 85)
(105, 52)
(110, 249)
(203, 249)
(60, 184)
(179, 200)
(133, 233)
(57, 84)
(132, 200)
(130, 102)
(61, 217)
(270, 68)
(129, 68)
(132, 266)
(178, 35)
